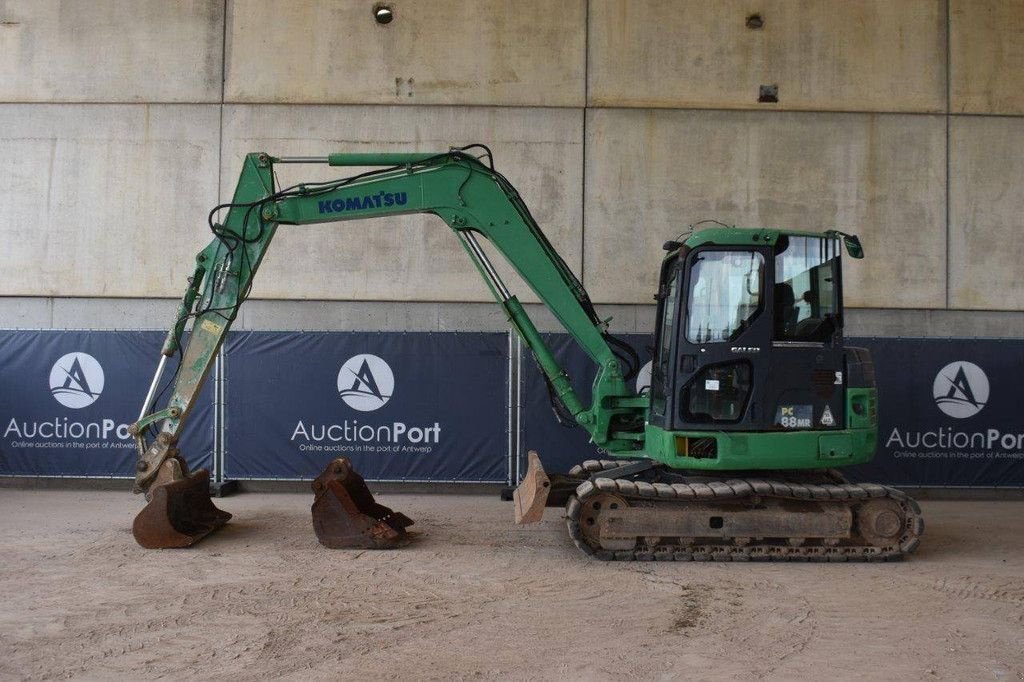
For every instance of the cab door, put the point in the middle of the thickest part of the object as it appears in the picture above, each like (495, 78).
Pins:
(723, 339)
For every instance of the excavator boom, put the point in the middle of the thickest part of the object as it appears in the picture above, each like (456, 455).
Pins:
(472, 198)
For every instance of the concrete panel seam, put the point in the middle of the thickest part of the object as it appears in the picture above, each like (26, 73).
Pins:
(583, 172)
(417, 105)
(595, 107)
(949, 109)
(973, 114)
(802, 112)
(223, 77)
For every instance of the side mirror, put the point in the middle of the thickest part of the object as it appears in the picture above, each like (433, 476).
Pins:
(853, 246)
(851, 242)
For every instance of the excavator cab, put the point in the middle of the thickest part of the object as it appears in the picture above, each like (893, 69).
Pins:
(750, 369)
(754, 398)
(749, 341)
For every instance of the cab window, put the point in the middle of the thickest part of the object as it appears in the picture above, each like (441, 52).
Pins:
(806, 295)
(724, 294)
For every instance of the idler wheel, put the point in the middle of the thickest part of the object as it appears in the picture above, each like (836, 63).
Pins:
(880, 522)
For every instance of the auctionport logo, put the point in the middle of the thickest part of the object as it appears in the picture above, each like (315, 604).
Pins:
(76, 380)
(961, 389)
(365, 382)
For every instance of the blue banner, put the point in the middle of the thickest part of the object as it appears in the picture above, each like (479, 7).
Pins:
(68, 397)
(401, 406)
(433, 407)
(949, 412)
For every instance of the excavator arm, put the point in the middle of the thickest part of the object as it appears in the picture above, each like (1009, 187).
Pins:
(471, 197)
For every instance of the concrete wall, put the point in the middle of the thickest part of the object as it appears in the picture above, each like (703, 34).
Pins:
(103, 199)
(488, 52)
(111, 50)
(412, 257)
(986, 54)
(861, 55)
(621, 121)
(871, 174)
(986, 213)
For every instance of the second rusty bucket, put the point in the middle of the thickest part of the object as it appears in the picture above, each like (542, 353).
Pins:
(345, 515)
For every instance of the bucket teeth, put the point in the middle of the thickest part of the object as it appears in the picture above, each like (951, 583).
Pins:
(180, 512)
(345, 515)
(532, 494)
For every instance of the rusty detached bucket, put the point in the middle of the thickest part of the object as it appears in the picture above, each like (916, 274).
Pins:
(180, 512)
(345, 515)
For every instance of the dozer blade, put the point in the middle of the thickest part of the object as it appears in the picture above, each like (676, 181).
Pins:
(345, 515)
(180, 512)
(532, 494)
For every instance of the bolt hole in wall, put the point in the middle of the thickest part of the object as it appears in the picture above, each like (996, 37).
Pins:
(383, 14)
(755, 22)
(768, 93)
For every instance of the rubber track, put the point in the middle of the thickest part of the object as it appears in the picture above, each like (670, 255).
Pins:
(594, 465)
(732, 489)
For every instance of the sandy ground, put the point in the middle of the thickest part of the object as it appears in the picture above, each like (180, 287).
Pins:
(477, 597)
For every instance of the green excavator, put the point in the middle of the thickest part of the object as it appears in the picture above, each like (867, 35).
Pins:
(732, 453)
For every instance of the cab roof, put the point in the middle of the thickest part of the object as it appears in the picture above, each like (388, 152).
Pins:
(744, 236)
